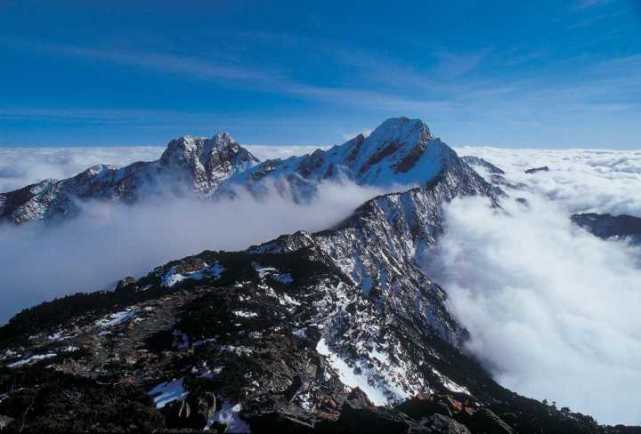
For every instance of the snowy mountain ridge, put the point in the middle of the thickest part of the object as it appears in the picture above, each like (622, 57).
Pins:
(189, 166)
(400, 151)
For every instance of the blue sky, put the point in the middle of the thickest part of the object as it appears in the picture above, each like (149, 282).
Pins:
(502, 73)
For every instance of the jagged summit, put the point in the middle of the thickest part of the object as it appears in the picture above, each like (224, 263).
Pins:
(193, 150)
(402, 130)
(208, 161)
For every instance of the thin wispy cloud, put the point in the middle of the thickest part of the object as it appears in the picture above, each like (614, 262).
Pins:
(454, 65)
(169, 63)
(202, 69)
(448, 91)
(584, 4)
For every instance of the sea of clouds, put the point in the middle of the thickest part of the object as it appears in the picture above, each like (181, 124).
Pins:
(552, 310)
(578, 180)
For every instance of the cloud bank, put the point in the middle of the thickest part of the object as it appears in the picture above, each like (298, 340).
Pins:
(109, 242)
(553, 311)
(23, 166)
(579, 180)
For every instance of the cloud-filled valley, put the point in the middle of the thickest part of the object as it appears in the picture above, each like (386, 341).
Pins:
(552, 310)
(108, 242)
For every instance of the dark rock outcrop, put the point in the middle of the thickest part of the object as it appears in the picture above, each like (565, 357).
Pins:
(537, 169)
(609, 226)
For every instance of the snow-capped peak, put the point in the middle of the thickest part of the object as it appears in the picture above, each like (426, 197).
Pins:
(399, 152)
(402, 130)
(208, 161)
(200, 149)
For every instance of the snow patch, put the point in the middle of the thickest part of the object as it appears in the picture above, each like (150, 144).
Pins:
(117, 318)
(164, 393)
(228, 415)
(449, 384)
(349, 376)
(245, 314)
(274, 273)
(171, 278)
(31, 360)
(287, 299)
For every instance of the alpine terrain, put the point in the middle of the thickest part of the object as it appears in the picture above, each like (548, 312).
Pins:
(338, 331)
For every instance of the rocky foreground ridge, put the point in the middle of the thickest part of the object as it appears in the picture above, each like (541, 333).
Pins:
(338, 331)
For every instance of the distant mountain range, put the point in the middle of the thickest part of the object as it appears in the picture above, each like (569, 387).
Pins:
(339, 331)
(399, 152)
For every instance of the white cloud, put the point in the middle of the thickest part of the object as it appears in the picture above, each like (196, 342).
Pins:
(23, 166)
(578, 180)
(110, 242)
(553, 311)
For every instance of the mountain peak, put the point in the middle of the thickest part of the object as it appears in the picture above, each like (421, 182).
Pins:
(400, 151)
(223, 137)
(403, 130)
(192, 150)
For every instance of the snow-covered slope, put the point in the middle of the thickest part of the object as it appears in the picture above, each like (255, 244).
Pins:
(378, 248)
